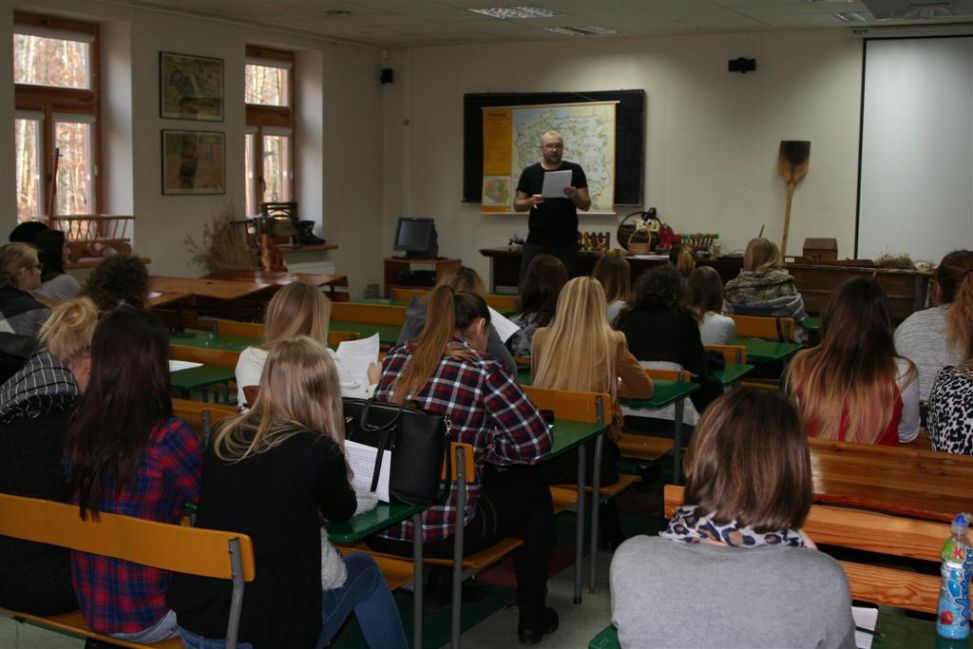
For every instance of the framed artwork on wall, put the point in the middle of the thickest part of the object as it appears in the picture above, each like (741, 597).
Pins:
(193, 162)
(190, 87)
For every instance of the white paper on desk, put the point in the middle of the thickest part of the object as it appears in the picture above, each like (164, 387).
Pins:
(866, 617)
(154, 294)
(176, 366)
(361, 459)
(356, 355)
(505, 326)
(555, 182)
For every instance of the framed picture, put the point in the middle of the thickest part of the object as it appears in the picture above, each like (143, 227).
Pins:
(193, 162)
(190, 87)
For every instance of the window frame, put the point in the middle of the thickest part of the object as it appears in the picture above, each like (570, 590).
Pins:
(52, 100)
(263, 120)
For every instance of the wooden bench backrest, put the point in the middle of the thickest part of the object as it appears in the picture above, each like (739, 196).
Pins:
(192, 412)
(239, 329)
(679, 376)
(770, 328)
(168, 547)
(592, 407)
(406, 294)
(732, 354)
(337, 337)
(377, 314)
(502, 302)
(872, 532)
(204, 355)
(469, 464)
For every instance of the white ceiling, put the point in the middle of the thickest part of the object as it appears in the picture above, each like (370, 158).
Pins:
(413, 23)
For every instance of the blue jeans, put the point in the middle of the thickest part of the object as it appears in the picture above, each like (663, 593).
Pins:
(364, 591)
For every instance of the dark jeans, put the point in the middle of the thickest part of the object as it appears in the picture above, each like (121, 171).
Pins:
(567, 254)
(515, 501)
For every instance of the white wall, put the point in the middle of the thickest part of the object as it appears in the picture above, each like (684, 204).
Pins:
(712, 137)
(339, 141)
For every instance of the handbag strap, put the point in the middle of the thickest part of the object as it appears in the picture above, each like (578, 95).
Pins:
(383, 443)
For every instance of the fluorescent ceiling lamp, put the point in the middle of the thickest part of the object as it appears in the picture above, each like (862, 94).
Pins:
(587, 30)
(854, 16)
(523, 11)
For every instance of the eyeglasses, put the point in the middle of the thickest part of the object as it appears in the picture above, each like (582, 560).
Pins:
(39, 266)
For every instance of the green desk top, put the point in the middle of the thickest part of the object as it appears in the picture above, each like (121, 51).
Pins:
(194, 338)
(387, 334)
(732, 372)
(894, 632)
(665, 392)
(358, 527)
(200, 377)
(569, 434)
(811, 323)
(759, 349)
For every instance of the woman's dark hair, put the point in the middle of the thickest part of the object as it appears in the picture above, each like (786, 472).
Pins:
(748, 461)
(127, 396)
(120, 279)
(662, 286)
(546, 276)
(952, 270)
(705, 291)
(50, 252)
(615, 275)
(27, 232)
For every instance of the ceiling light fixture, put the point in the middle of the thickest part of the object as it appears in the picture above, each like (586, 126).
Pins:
(523, 11)
(587, 30)
(854, 16)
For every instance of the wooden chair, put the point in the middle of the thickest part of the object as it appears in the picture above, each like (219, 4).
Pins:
(771, 328)
(679, 376)
(335, 338)
(204, 355)
(876, 533)
(732, 354)
(400, 294)
(503, 302)
(376, 314)
(201, 415)
(177, 548)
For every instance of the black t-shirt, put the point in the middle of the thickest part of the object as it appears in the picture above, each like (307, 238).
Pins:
(555, 221)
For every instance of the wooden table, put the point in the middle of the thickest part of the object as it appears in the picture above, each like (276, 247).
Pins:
(268, 279)
(201, 377)
(906, 290)
(220, 289)
(911, 482)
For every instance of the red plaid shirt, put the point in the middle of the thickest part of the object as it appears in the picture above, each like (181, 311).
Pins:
(487, 409)
(118, 596)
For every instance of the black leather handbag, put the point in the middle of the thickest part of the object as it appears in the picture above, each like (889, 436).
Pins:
(416, 439)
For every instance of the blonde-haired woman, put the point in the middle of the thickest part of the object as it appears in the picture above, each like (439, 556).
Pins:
(20, 275)
(34, 408)
(298, 309)
(763, 287)
(272, 473)
(853, 386)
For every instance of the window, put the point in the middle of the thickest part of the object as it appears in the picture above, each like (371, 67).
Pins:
(56, 123)
(268, 145)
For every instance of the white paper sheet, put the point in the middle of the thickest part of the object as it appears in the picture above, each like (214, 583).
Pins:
(555, 182)
(361, 459)
(176, 366)
(154, 294)
(356, 355)
(866, 617)
(504, 326)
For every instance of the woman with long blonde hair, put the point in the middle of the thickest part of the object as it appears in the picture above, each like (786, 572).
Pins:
(298, 309)
(445, 370)
(853, 386)
(273, 473)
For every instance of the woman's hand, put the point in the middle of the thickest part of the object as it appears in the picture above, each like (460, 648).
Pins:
(374, 373)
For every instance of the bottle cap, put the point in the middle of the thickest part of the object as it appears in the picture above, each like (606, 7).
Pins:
(961, 524)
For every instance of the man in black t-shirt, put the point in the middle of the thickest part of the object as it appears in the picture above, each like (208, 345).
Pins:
(553, 222)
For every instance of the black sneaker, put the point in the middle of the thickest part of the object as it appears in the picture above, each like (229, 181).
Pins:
(535, 623)
(439, 591)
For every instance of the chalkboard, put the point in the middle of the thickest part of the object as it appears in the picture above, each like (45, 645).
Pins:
(629, 136)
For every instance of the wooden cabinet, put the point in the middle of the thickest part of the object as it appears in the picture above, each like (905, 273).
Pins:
(395, 265)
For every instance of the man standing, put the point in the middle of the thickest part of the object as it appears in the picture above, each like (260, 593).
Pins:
(552, 226)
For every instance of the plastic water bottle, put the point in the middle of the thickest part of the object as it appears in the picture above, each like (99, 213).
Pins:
(953, 614)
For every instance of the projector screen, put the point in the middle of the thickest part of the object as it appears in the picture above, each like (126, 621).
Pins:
(916, 169)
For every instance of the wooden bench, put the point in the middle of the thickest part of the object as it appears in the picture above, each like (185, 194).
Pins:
(205, 355)
(650, 448)
(500, 301)
(176, 548)
(732, 354)
(200, 415)
(770, 328)
(882, 534)
(375, 314)
(255, 330)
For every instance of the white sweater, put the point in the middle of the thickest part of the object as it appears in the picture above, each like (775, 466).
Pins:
(250, 366)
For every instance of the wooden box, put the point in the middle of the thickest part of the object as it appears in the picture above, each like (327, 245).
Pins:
(816, 250)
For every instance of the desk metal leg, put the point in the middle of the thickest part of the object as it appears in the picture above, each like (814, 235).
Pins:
(677, 447)
(417, 581)
(457, 610)
(579, 526)
(595, 508)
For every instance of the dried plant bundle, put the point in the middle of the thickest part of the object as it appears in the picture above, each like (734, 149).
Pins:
(225, 246)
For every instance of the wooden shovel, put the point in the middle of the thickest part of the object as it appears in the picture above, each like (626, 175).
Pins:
(792, 165)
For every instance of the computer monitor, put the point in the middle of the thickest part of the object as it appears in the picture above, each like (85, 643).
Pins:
(417, 238)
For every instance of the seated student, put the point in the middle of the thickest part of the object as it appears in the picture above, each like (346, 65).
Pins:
(20, 275)
(127, 454)
(27, 232)
(34, 408)
(613, 271)
(763, 287)
(580, 351)
(52, 252)
(750, 577)
(934, 338)
(683, 259)
(951, 397)
(660, 328)
(706, 303)
(445, 370)
(853, 386)
(466, 280)
(119, 279)
(272, 473)
(298, 309)
(545, 277)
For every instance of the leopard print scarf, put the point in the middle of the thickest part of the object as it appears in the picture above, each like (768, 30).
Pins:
(685, 525)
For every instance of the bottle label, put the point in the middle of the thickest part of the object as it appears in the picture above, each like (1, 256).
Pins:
(953, 619)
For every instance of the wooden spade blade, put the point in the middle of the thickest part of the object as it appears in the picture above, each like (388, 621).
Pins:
(793, 160)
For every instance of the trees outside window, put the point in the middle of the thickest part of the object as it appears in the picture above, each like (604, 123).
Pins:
(268, 145)
(56, 93)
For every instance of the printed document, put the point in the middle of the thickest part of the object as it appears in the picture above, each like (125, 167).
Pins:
(356, 355)
(504, 326)
(361, 459)
(555, 182)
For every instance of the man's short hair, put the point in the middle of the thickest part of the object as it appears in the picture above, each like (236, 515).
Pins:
(552, 133)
